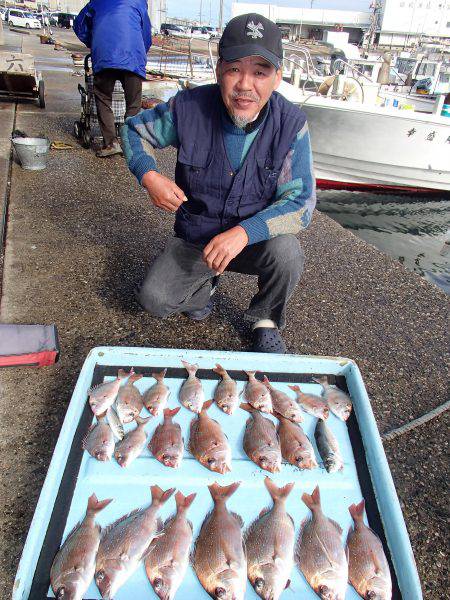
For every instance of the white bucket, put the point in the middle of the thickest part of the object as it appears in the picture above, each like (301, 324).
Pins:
(32, 152)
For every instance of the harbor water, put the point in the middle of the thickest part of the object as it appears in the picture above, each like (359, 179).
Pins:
(413, 230)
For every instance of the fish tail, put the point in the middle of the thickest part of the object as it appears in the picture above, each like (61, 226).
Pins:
(278, 493)
(171, 412)
(159, 376)
(219, 370)
(183, 502)
(94, 505)
(250, 373)
(321, 379)
(219, 492)
(206, 405)
(312, 501)
(248, 407)
(191, 369)
(135, 377)
(160, 496)
(294, 388)
(357, 511)
(141, 420)
(122, 374)
(266, 381)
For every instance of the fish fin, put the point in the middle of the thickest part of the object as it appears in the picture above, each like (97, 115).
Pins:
(191, 369)
(357, 511)
(376, 562)
(266, 381)
(85, 439)
(206, 405)
(159, 376)
(264, 511)
(159, 525)
(124, 517)
(223, 492)
(142, 420)
(94, 505)
(183, 502)
(238, 518)
(312, 501)
(171, 412)
(248, 407)
(278, 493)
(160, 496)
(219, 370)
(338, 527)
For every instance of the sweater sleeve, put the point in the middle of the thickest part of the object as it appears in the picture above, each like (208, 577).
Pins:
(295, 196)
(141, 134)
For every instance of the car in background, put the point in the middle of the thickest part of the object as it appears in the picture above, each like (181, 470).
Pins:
(53, 18)
(66, 19)
(212, 31)
(200, 33)
(20, 18)
(175, 30)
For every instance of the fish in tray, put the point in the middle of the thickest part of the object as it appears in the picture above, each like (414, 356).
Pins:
(296, 448)
(226, 395)
(167, 443)
(74, 565)
(319, 553)
(191, 393)
(129, 400)
(312, 404)
(328, 448)
(168, 557)
(155, 398)
(99, 441)
(125, 542)
(219, 555)
(208, 443)
(132, 444)
(269, 542)
(261, 443)
(257, 394)
(114, 423)
(102, 396)
(368, 569)
(282, 404)
(339, 402)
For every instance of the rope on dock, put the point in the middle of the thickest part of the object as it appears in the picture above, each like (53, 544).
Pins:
(393, 433)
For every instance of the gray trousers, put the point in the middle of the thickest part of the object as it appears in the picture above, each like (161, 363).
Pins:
(179, 280)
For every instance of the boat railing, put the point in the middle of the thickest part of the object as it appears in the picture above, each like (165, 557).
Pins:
(304, 65)
(176, 57)
(342, 65)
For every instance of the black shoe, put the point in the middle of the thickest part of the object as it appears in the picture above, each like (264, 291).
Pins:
(268, 339)
(203, 313)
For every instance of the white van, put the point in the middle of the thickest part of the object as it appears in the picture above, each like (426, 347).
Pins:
(20, 18)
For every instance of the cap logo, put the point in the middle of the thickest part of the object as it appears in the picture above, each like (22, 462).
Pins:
(255, 30)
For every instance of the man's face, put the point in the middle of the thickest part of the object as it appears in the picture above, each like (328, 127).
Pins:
(246, 85)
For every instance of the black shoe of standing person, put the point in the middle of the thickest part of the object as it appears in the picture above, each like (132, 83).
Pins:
(203, 313)
(268, 339)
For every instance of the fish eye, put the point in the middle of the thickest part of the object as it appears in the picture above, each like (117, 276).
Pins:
(259, 583)
(60, 593)
(158, 583)
(323, 589)
(100, 575)
(211, 461)
(263, 461)
(371, 594)
(220, 592)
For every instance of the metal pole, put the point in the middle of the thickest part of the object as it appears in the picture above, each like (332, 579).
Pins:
(220, 16)
(200, 15)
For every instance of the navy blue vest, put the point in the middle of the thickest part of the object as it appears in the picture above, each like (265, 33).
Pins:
(218, 198)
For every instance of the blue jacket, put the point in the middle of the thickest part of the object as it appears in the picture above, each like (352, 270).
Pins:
(118, 33)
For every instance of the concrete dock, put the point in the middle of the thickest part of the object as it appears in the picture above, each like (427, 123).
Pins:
(79, 236)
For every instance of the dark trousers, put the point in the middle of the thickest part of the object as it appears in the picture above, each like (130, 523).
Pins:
(104, 82)
(179, 280)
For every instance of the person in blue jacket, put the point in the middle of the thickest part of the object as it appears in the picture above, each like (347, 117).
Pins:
(118, 33)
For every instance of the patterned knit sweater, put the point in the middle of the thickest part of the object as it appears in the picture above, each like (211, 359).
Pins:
(295, 197)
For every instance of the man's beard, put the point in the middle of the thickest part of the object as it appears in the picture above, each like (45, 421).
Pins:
(240, 120)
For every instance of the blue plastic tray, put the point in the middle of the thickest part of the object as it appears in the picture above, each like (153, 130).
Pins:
(73, 475)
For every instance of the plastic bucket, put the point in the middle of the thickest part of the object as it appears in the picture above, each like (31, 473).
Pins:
(32, 152)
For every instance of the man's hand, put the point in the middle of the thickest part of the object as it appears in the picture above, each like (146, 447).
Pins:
(163, 192)
(224, 247)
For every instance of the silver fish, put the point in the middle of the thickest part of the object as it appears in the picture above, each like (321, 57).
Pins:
(261, 443)
(328, 448)
(168, 558)
(155, 398)
(132, 444)
(129, 400)
(74, 564)
(368, 568)
(257, 394)
(319, 552)
(282, 404)
(312, 404)
(125, 542)
(219, 556)
(114, 423)
(191, 392)
(226, 394)
(339, 402)
(269, 542)
(102, 396)
(99, 441)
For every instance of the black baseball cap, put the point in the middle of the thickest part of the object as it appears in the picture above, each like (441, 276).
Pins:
(251, 35)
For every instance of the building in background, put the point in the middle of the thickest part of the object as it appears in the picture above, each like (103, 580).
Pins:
(398, 23)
